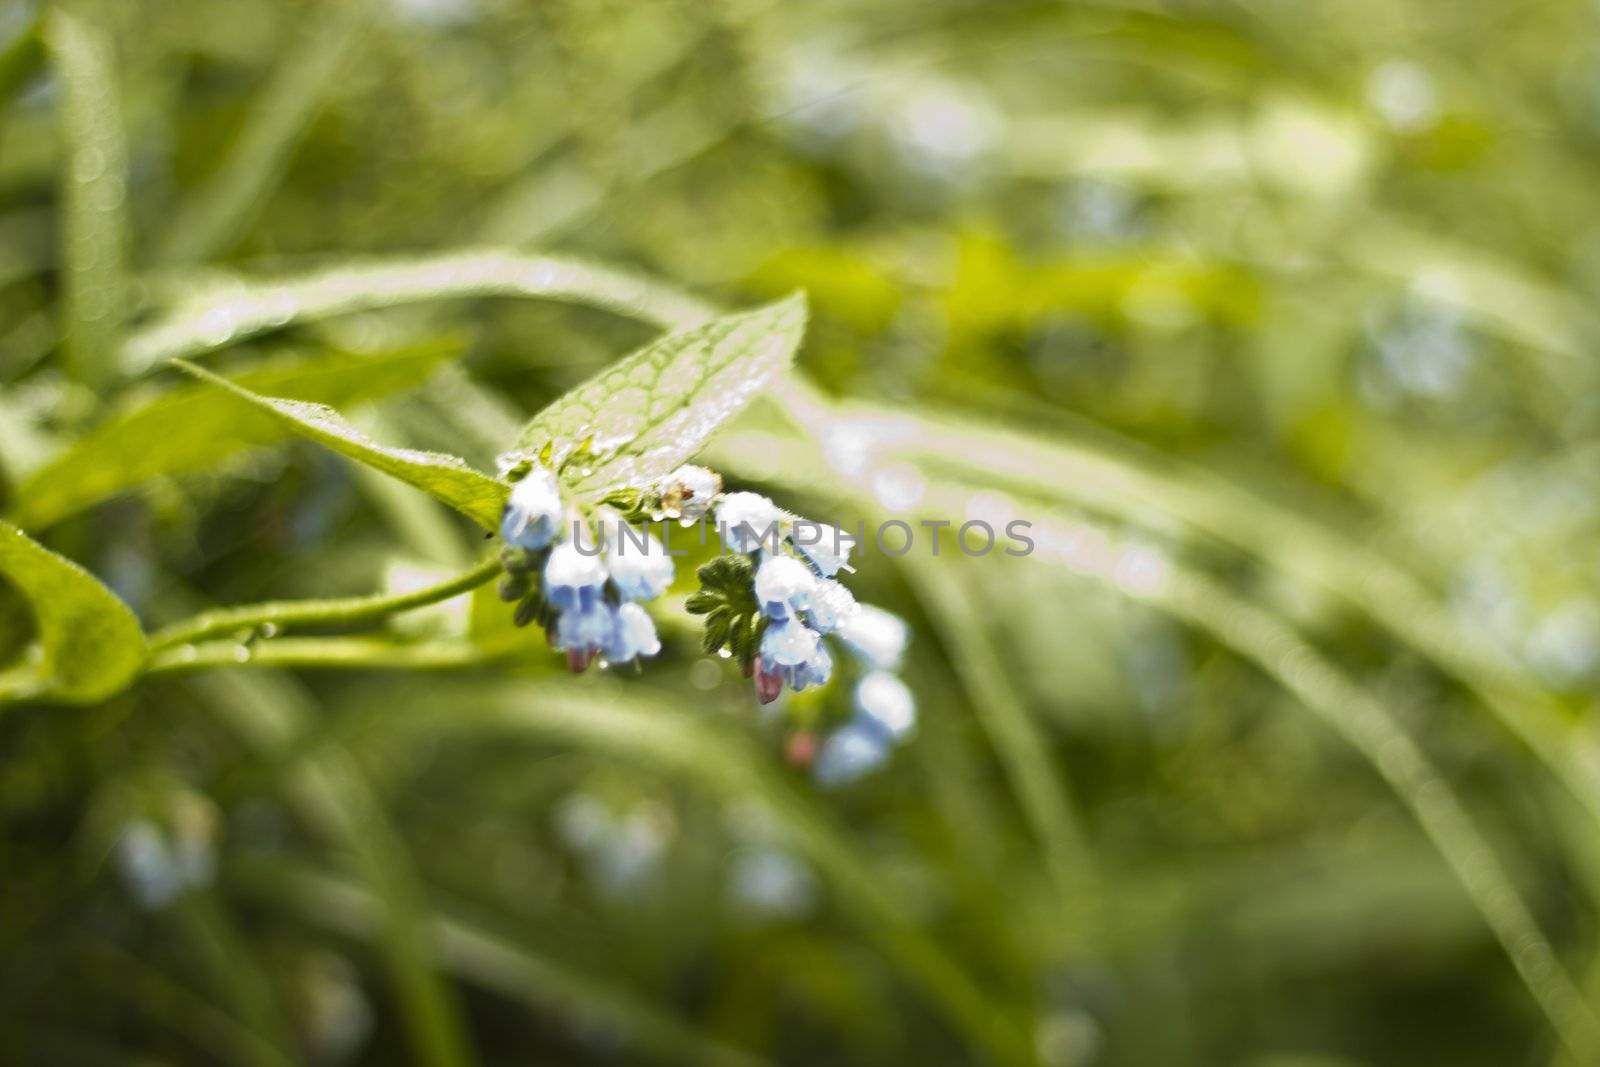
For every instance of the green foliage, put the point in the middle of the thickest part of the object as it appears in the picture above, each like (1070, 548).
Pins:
(445, 478)
(193, 429)
(94, 195)
(1275, 320)
(644, 416)
(88, 644)
(726, 598)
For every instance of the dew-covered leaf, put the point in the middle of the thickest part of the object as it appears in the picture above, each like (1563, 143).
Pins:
(655, 408)
(87, 643)
(446, 478)
(193, 428)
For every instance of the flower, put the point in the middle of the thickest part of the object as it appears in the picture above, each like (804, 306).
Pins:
(532, 515)
(876, 636)
(583, 632)
(828, 550)
(640, 571)
(573, 577)
(783, 586)
(632, 636)
(788, 644)
(747, 521)
(831, 603)
(885, 702)
(573, 585)
(791, 653)
(848, 754)
(687, 492)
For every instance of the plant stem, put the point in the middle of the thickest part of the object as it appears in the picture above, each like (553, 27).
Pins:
(322, 652)
(343, 611)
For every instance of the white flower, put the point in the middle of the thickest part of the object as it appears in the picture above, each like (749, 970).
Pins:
(532, 516)
(687, 492)
(877, 637)
(747, 521)
(826, 546)
(886, 702)
(783, 586)
(572, 577)
(831, 603)
(633, 636)
(639, 571)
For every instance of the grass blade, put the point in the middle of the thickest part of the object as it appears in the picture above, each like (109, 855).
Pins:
(94, 195)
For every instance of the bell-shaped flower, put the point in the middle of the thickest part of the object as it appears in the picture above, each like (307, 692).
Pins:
(848, 754)
(885, 702)
(687, 492)
(573, 577)
(532, 515)
(826, 546)
(634, 635)
(788, 644)
(639, 565)
(814, 671)
(584, 628)
(748, 521)
(877, 637)
(793, 654)
(831, 603)
(783, 586)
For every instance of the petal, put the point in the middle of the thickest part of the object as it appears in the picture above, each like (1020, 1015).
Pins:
(830, 604)
(877, 637)
(787, 644)
(886, 702)
(746, 521)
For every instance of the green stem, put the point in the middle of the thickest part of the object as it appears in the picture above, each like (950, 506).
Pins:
(343, 611)
(322, 652)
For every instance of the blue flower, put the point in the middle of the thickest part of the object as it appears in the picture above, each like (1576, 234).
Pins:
(634, 635)
(640, 572)
(788, 644)
(573, 578)
(792, 655)
(877, 637)
(827, 547)
(747, 521)
(783, 586)
(532, 516)
(831, 603)
(814, 671)
(586, 629)
(850, 753)
(884, 702)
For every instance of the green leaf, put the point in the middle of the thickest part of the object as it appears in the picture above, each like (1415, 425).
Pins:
(446, 478)
(94, 197)
(213, 217)
(89, 645)
(211, 317)
(655, 408)
(192, 428)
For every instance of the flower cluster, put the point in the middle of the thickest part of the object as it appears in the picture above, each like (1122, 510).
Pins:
(584, 587)
(771, 602)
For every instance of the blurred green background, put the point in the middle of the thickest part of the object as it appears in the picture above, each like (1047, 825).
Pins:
(1276, 318)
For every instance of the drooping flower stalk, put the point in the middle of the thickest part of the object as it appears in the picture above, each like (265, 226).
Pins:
(770, 601)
